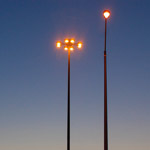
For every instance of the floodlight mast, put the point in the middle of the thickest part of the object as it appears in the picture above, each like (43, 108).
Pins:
(68, 46)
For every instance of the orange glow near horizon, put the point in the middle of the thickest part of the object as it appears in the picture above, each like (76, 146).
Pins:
(106, 14)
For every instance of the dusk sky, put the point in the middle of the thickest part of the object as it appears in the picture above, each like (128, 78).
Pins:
(33, 74)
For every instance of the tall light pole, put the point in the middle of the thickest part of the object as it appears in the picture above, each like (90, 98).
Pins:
(68, 46)
(106, 14)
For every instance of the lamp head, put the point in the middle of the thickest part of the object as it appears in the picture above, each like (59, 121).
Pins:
(71, 48)
(79, 45)
(72, 41)
(65, 48)
(58, 44)
(66, 41)
(106, 14)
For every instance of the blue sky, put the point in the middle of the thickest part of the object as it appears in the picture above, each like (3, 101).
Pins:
(33, 74)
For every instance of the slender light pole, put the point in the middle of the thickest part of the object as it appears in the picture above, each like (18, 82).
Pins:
(106, 14)
(68, 46)
(68, 114)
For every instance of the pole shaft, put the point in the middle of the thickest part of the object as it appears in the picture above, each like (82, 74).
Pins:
(105, 94)
(68, 108)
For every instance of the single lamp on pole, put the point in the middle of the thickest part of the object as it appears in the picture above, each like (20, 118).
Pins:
(106, 15)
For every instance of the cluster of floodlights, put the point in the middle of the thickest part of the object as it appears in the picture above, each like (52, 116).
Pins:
(69, 44)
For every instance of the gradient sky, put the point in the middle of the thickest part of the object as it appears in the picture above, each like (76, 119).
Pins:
(33, 74)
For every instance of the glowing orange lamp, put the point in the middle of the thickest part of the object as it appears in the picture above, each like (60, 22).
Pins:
(72, 41)
(66, 41)
(65, 48)
(106, 14)
(79, 45)
(58, 44)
